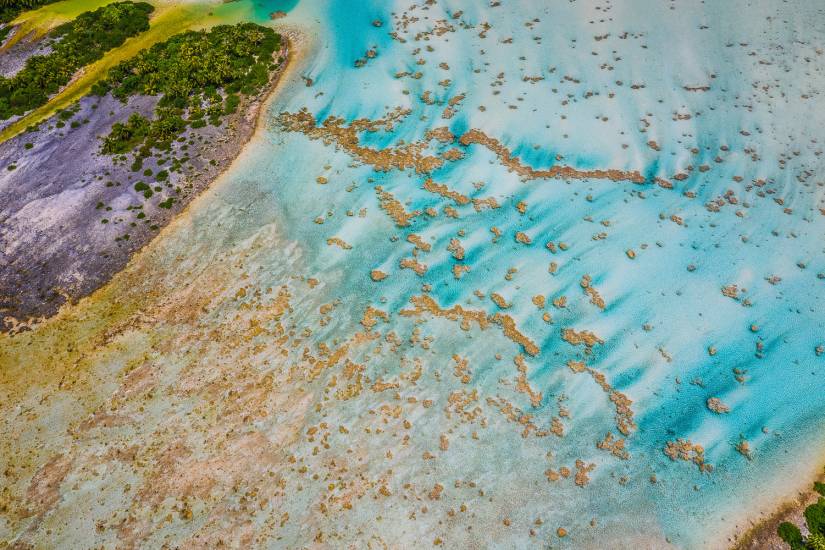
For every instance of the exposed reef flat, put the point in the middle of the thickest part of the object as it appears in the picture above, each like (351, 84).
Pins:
(71, 217)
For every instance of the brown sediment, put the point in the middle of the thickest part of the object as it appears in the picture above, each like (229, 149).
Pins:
(444, 191)
(453, 154)
(44, 489)
(499, 300)
(556, 172)
(744, 449)
(489, 202)
(685, 449)
(411, 263)
(459, 270)
(585, 337)
(334, 131)
(456, 249)
(522, 385)
(522, 238)
(595, 298)
(508, 326)
(517, 416)
(394, 208)
(418, 242)
(337, 241)
(377, 275)
(582, 470)
(426, 304)
(731, 291)
(616, 447)
(371, 317)
(621, 402)
(451, 212)
(715, 404)
(461, 370)
(442, 134)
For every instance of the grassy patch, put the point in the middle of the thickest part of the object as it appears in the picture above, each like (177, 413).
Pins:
(75, 45)
(10, 9)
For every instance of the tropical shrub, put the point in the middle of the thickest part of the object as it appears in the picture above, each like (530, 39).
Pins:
(74, 45)
(814, 520)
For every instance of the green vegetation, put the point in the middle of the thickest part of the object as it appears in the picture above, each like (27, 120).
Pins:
(199, 75)
(9, 9)
(75, 44)
(815, 521)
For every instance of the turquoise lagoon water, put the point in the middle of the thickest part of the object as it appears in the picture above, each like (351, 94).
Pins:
(722, 100)
(610, 79)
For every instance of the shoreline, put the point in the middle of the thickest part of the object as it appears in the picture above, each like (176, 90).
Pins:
(760, 533)
(293, 35)
(68, 286)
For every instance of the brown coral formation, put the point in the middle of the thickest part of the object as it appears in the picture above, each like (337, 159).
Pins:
(413, 264)
(616, 447)
(426, 304)
(444, 191)
(333, 130)
(715, 404)
(522, 385)
(684, 449)
(595, 298)
(337, 241)
(474, 136)
(622, 403)
(577, 338)
(456, 249)
(394, 208)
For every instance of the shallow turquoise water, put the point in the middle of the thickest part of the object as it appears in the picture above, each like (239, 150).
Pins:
(760, 120)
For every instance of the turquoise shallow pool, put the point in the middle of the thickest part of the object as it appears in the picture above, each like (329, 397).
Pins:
(548, 266)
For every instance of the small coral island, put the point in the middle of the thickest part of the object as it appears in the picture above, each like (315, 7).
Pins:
(74, 45)
(114, 167)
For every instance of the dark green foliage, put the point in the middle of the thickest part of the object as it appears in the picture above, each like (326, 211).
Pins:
(791, 534)
(232, 102)
(9, 9)
(124, 137)
(145, 189)
(815, 521)
(192, 72)
(815, 517)
(76, 44)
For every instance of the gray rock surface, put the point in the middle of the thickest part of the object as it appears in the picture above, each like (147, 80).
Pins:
(70, 217)
(14, 58)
